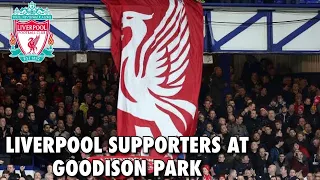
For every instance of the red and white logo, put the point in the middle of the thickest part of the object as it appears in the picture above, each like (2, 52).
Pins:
(32, 36)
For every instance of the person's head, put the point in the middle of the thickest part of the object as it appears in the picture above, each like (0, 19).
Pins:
(262, 152)
(20, 114)
(268, 130)
(30, 109)
(77, 131)
(263, 112)
(284, 109)
(201, 117)
(90, 120)
(291, 109)
(310, 176)
(253, 114)
(32, 116)
(218, 71)
(279, 142)
(8, 111)
(233, 173)
(272, 169)
(232, 103)
(25, 128)
(263, 92)
(99, 131)
(22, 103)
(52, 115)
(282, 157)
(3, 178)
(209, 127)
(60, 112)
(240, 177)
(283, 170)
(221, 158)
(239, 120)
(205, 170)
(222, 121)
(278, 125)
(5, 173)
(271, 115)
(69, 119)
(292, 173)
(229, 109)
(60, 124)
(49, 169)
(37, 176)
(256, 136)
(231, 118)
(292, 133)
(254, 146)
(300, 136)
(302, 122)
(242, 91)
(207, 104)
(223, 129)
(3, 122)
(245, 159)
(299, 155)
(46, 128)
(10, 168)
(212, 114)
(48, 176)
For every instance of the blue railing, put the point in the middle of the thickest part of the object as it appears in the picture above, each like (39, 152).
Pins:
(38, 164)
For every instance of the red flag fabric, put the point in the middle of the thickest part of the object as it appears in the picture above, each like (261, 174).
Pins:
(157, 46)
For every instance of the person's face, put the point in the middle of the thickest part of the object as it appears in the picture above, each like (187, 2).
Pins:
(60, 124)
(278, 125)
(22, 104)
(46, 129)
(292, 133)
(205, 171)
(90, 120)
(69, 119)
(32, 116)
(253, 114)
(281, 157)
(37, 176)
(256, 136)
(222, 121)
(218, 72)
(262, 152)
(30, 109)
(20, 115)
(229, 109)
(113, 119)
(60, 112)
(201, 117)
(242, 91)
(309, 176)
(209, 127)
(308, 128)
(268, 130)
(78, 130)
(207, 104)
(3, 122)
(100, 131)
(254, 146)
(8, 111)
(24, 77)
(232, 103)
(41, 104)
(212, 114)
(25, 129)
(1, 110)
(228, 97)
(10, 168)
(263, 112)
(299, 156)
(239, 120)
(10, 71)
(300, 137)
(224, 129)
(240, 178)
(307, 101)
(302, 122)
(271, 115)
(52, 115)
(221, 158)
(49, 169)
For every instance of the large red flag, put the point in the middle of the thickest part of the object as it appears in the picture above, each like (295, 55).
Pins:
(157, 46)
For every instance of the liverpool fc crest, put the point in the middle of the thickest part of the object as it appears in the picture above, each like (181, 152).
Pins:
(31, 40)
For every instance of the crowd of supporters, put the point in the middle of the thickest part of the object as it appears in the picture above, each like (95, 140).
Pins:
(280, 114)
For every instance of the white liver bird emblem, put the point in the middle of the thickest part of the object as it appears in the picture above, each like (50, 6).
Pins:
(162, 59)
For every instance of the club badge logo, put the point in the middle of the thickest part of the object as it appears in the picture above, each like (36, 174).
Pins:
(31, 40)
